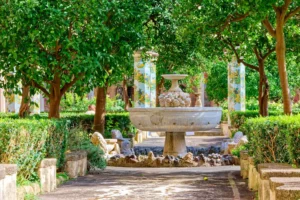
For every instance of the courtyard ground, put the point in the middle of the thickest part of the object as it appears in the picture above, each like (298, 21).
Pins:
(156, 184)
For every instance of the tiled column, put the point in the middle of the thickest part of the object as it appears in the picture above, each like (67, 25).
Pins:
(144, 80)
(13, 103)
(35, 108)
(2, 101)
(203, 95)
(42, 103)
(236, 86)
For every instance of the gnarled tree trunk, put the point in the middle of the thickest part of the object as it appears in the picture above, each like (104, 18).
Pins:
(25, 103)
(159, 87)
(280, 55)
(99, 120)
(263, 97)
(125, 94)
(54, 99)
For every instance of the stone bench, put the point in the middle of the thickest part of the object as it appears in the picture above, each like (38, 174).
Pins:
(8, 181)
(76, 164)
(273, 171)
(47, 174)
(284, 188)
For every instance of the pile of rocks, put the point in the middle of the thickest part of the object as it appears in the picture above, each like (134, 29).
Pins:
(157, 151)
(189, 160)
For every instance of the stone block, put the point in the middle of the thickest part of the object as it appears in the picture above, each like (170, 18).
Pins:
(284, 188)
(47, 174)
(244, 163)
(266, 173)
(2, 177)
(76, 164)
(252, 175)
(9, 183)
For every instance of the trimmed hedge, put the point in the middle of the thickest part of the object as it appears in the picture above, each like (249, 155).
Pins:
(274, 139)
(26, 142)
(238, 118)
(118, 121)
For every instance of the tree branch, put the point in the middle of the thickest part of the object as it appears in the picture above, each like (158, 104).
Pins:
(249, 65)
(286, 5)
(42, 47)
(291, 14)
(68, 85)
(231, 18)
(268, 53)
(38, 86)
(269, 27)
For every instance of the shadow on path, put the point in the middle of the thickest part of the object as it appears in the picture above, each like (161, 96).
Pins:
(156, 184)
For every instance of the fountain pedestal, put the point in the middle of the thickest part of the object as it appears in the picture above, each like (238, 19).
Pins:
(175, 144)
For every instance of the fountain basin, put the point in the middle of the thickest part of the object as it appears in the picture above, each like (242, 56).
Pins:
(175, 119)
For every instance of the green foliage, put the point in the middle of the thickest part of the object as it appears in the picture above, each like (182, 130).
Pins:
(30, 197)
(224, 115)
(238, 118)
(274, 139)
(72, 102)
(236, 151)
(26, 142)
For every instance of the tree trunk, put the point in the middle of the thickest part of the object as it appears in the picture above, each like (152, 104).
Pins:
(158, 90)
(54, 99)
(54, 107)
(280, 55)
(263, 97)
(99, 120)
(25, 103)
(125, 94)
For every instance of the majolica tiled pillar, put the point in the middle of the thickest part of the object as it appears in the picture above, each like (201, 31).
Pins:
(2, 101)
(203, 95)
(236, 86)
(35, 108)
(144, 80)
(13, 103)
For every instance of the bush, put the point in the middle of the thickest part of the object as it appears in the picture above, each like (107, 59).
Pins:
(118, 121)
(26, 142)
(75, 103)
(274, 139)
(238, 118)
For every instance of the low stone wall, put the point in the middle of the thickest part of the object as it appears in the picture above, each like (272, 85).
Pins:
(252, 175)
(76, 164)
(284, 188)
(270, 170)
(47, 174)
(8, 181)
(244, 163)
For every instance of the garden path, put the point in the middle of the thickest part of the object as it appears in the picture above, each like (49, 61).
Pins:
(120, 183)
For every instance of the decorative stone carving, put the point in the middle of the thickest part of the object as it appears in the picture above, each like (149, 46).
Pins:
(108, 146)
(237, 136)
(98, 140)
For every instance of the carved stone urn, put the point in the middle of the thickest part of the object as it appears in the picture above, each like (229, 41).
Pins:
(175, 120)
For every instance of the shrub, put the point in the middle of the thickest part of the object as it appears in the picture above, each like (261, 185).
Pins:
(75, 103)
(26, 142)
(238, 118)
(274, 139)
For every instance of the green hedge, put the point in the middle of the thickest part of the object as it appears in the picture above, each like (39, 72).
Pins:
(238, 118)
(118, 121)
(26, 142)
(274, 139)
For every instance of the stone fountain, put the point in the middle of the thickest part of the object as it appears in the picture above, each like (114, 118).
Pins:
(175, 117)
